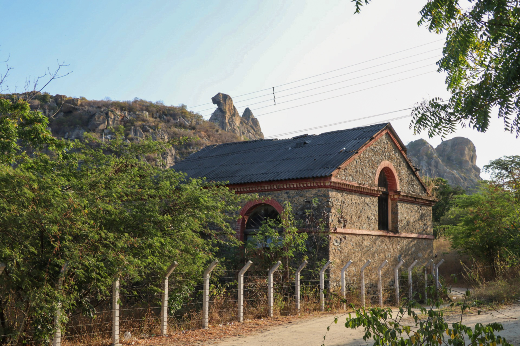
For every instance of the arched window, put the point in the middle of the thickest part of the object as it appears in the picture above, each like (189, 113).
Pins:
(383, 203)
(388, 181)
(259, 215)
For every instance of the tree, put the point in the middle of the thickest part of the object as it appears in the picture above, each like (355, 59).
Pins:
(481, 57)
(445, 195)
(505, 172)
(23, 130)
(106, 212)
(486, 225)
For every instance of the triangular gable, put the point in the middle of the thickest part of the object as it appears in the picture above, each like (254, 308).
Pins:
(388, 129)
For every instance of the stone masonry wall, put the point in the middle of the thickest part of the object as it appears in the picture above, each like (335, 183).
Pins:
(301, 200)
(415, 218)
(360, 248)
(351, 210)
(363, 169)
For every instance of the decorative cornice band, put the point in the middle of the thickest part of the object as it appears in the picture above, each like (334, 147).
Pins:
(326, 183)
(381, 233)
(305, 185)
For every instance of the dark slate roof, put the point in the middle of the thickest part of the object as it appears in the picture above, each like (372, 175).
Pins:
(307, 156)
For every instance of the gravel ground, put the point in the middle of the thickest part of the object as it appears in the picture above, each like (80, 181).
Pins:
(311, 332)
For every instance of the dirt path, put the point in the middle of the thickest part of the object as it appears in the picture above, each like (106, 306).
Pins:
(311, 332)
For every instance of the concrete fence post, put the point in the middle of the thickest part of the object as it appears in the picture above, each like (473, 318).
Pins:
(437, 283)
(205, 295)
(270, 288)
(297, 284)
(115, 312)
(380, 282)
(429, 264)
(425, 283)
(241, 291)
(322, 285)
(362, 274)
(343, 284)
(410, 288)
(432, 270)
(396, 278)
(164, 301)
(57, 335)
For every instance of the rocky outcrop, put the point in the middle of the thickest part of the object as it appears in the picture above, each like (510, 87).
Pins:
(227, 118)
(72, 118)
(454, 160)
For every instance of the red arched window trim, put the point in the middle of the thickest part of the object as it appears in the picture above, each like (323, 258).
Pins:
(248, 208)
(389, 171)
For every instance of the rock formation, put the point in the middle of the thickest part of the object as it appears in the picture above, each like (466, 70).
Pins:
(454, 160)
(71, 118)
(227, 118)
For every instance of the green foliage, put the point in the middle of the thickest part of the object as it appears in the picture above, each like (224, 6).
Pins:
(430, 328)
(486, 225)
(277, 239)
(445, 195)
(22, 129)
(481, 60)
(505, 173)
(105, 211)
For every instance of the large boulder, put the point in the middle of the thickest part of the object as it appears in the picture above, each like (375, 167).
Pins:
(454, 160)
(98, 122)
(227, 118)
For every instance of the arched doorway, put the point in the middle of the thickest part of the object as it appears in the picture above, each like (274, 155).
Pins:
(257, 211)
(259, 215)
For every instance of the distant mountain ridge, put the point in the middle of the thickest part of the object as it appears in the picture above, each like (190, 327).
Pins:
(454, 160)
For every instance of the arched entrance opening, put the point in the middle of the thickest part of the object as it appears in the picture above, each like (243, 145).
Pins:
(259, 215)
(254, 213)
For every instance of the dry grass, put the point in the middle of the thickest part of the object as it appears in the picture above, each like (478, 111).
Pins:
(452, 266)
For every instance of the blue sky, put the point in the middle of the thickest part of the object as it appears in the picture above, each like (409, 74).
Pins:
(184, 52)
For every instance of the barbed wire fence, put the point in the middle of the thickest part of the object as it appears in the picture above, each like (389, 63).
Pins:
(173, 302)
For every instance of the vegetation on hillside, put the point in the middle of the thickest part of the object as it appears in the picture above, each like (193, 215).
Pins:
(71, 118)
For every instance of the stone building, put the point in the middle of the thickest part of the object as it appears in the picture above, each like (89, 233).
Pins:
(376, 205)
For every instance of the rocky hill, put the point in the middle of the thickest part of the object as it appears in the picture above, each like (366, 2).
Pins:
(71, 118)
(454, 160)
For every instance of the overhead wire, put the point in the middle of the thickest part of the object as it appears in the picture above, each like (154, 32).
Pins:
(343, 87)
(334, 77)
(340, 123)
(332, 97)
(331, 71)
(349, 93)
(240, 103)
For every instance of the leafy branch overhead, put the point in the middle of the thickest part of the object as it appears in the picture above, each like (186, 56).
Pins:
(481, 57)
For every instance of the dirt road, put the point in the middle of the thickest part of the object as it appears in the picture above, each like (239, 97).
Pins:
(311, 332)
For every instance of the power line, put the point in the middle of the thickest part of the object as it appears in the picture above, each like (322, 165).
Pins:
(352, 92)
(343, 122)
(343, 87)
(323, 86)
(324, 73)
